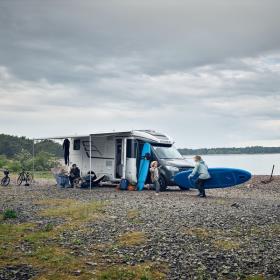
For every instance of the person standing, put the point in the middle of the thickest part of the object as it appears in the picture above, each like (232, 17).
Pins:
(155, 176)
(200, 169)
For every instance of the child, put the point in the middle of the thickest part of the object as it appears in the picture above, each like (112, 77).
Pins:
(200, 169)
(155, 176)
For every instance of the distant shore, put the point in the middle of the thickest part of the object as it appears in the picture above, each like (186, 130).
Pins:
(231, 151)
(230, 154)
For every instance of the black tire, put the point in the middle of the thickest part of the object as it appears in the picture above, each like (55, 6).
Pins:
(162, 183)
(20, 180)
(5, 181)
(184, 189)
(29, 178)
(76, 182)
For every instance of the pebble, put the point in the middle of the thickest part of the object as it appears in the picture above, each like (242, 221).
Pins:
(188, 235)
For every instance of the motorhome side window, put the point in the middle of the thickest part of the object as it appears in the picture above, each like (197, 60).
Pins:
(131, 148)
(77, 145)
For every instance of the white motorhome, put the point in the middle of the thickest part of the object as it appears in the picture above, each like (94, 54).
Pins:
(117, 154)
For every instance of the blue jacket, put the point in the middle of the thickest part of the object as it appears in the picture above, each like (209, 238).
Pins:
(201, 169)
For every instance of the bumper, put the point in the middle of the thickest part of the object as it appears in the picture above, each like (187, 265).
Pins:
(169, 175)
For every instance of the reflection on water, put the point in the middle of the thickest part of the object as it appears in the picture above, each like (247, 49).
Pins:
(259, 164)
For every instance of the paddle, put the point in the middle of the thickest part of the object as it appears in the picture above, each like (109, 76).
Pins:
(271, 176)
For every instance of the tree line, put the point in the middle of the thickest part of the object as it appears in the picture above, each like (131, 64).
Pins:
(16, 153)
(220, 151)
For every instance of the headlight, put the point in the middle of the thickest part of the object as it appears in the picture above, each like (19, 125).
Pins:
(172, 168)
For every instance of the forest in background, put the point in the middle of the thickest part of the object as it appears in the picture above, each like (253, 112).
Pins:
(16, 153)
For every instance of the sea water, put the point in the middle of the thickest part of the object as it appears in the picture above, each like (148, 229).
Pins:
(257, 164)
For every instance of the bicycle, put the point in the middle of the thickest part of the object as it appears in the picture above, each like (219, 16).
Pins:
(6, 179)
(24, 176)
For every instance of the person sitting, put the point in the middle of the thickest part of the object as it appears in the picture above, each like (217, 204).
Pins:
(74, 174)
(94, 180)
(62, 178)
(86, 179)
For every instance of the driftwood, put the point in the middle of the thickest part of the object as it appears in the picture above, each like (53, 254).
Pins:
(270, 178)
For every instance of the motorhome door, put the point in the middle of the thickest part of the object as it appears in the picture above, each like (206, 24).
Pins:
(119, 160)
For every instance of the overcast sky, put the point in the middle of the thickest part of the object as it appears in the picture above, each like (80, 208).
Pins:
(205, 72)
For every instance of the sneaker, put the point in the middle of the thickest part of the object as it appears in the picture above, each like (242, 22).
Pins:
(157, 193)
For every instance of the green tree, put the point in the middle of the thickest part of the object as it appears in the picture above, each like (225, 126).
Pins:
(25, 159)
(3, 161)
(44, 161)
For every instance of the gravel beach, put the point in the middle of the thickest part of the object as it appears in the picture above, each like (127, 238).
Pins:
(232, 234)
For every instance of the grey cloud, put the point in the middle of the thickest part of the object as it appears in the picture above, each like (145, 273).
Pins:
(177, 35)
(184, 67)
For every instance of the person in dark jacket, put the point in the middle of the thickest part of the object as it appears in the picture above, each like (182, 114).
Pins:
(66, 147)
(86, 180)
(74, 174)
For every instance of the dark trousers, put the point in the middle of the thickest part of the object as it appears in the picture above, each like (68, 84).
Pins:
(200, 186)
(66, 157)
(72, 179)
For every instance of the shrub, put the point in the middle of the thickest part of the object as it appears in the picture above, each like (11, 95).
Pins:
(14, 166)
(48, 227)
(3, 161)
(9, 214)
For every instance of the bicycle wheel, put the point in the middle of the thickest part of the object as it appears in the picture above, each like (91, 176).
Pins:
(29, 178)
(20, 179)
(76, 182)
(5, 181)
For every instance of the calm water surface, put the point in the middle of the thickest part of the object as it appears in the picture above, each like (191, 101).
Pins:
(259, 164)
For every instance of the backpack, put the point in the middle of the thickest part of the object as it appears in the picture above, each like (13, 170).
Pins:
(124, 184)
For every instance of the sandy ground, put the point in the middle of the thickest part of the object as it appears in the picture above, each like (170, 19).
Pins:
(232, 234)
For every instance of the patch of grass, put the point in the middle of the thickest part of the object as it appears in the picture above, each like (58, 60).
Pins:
(13, 232)
(48, 227)
(138, 272)
(71, 210)
(226, 244)
(201, 273)
(10, 236)
(268, 230)
(275, 229)
(50, 259)
(220, 201)
(41, 245)
(77, 241)
(37, 236)
(55, 256)
(133, 214)
(57, 263)
(218, 238)
(9, 214)
(133, 238)
(201, 233)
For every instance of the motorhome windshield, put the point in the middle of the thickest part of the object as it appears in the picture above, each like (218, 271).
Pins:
(167, 152)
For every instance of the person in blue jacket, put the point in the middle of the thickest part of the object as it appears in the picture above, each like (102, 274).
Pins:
(200, 170)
